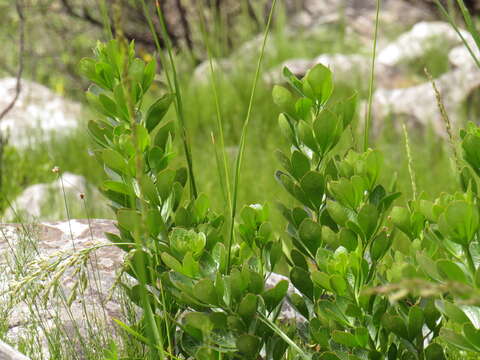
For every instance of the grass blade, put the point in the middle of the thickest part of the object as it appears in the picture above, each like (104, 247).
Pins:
(174, 87)
(469, 22)
(457, 30)
(178, 102)
(284, 336)
(243, 137)
(372, 78)
(224, 175)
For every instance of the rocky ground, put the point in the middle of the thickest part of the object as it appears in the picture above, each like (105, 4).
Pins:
(62, 252)
(35, 257)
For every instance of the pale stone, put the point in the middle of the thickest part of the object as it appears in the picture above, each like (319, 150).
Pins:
(346, 68)
(344, 63)
(419, 104)
(29, 205)
(460, 56)
(298, 67)
(414, 43)
(23, 245)
(9, 353)
(202, 73)
(38, 115)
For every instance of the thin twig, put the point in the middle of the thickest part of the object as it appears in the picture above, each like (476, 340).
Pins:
(185, 25)
(18, 86)
(21, 41)
(86, 16)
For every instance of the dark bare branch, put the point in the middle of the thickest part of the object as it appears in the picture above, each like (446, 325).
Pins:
(186, 27)
(141, 38)
(21, 50)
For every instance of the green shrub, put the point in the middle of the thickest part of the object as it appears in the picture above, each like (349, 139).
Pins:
(363, 293)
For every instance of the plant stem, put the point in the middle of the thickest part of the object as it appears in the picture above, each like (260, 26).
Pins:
(410, 161)
(469, 22)
(471, 264)
(451, 20)
(225, 177)
(284, 336)
(174, 88)
(178, 103)
(372, 78)
(243, 138)
(446, 120)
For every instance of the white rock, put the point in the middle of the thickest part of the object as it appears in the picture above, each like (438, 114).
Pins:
(297, 66)
(24, 247)
(341, 63)
(414, 43)
(460, 56)
(30, 203)
(345, 68)
(38, 113)
(201, 74)
(301, 20)
(9, 353)
(251, 48)
(288, 312)
(418, 103)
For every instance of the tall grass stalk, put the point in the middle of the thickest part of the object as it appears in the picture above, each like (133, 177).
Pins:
(173, 84)
(471, 29)
(410, 161)
(94, 263)
(60, 178)
(243, 137)
(175, 88)
(446, 119)
(178, 100)
(156, 40)
(469, 22)
(224, 183)
(372, 79)
(86, 314)
(284, 336)
(224, 176)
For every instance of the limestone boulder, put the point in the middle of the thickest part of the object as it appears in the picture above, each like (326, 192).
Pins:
(299, 67)
(460, 56)
(347, 68)
(201, 74)
(415, 42)
(41, 202)
(48, 253)
(9, 353)
(418, 104)
(38, 115)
